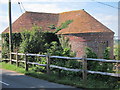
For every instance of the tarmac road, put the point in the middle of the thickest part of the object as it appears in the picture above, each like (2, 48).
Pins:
(12, 79)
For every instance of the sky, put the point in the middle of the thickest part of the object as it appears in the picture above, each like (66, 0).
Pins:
(107, 15)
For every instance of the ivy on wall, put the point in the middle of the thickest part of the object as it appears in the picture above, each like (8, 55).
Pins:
(35, 41)
(63, 25)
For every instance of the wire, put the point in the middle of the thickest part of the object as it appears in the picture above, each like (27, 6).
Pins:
(106, 4)
(23, 6)
(20, 7)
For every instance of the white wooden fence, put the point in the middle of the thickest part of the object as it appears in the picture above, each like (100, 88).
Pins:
(48, 65)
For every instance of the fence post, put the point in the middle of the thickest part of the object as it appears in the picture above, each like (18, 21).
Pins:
(10, 57)
(84, 70)
(48, 63)
(59, 72)
(26, 65)
(17, 63)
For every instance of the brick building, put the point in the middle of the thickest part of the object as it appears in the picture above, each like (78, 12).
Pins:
(84, 31)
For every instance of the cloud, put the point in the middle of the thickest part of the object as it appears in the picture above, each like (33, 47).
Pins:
(50, 8)
(54, 7)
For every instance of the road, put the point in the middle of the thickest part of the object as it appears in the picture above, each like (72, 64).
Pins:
(12, 79)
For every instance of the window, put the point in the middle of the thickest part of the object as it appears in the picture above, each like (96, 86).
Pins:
(107, 44)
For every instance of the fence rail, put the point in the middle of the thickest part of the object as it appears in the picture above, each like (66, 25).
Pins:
(72, 58)
(48, 66)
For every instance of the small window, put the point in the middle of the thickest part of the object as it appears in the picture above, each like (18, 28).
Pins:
(107, 44)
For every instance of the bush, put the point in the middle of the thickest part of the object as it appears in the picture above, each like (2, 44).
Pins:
(92, 65)
(106, 66)
(90, 53)
(16, 40)
(117, 51)
(32, 42)
(64, 42)
(99, 66)
(106, 54)
(36, 41)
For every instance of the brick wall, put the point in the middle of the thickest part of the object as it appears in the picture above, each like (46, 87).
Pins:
(97, 41)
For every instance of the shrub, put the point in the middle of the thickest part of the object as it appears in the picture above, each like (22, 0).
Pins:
(36, 40)
(99, 66)
(117, 51)
(64, 42)
(32, 42)
(16, 40)
(106, 54)
(90, 53)
(54, 49)
(107, 66)
(92, 65)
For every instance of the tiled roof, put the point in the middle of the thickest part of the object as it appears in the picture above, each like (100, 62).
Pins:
(82, 22)
(29, 19)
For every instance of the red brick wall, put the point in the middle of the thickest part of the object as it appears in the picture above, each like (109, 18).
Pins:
(97, 41)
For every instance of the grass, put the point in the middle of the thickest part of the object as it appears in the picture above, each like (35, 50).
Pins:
(76, 81)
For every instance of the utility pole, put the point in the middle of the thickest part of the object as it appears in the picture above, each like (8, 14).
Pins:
(10, 31)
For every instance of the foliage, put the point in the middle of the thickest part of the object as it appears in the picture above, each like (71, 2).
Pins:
(64, 42)
(32, 42)
(36, 41)
(62, 49)
(90, 53)
(52, 26)
(0, 40)
(16, 40)
(117, 51)
(66, 46)
(99, 66)
(63, 25)
(5, 46)
(57, 50)
(106, 54)
(75, 81)
(54, 49)
(106, 66)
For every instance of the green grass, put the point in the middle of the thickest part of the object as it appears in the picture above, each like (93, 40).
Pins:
(12, 67)
(76, 81)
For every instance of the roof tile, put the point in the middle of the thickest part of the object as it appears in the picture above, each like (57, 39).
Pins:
(82, 22)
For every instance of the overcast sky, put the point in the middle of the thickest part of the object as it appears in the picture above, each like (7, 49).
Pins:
(103, 13)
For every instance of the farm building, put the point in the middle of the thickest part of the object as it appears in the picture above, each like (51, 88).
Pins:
(84, 31)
